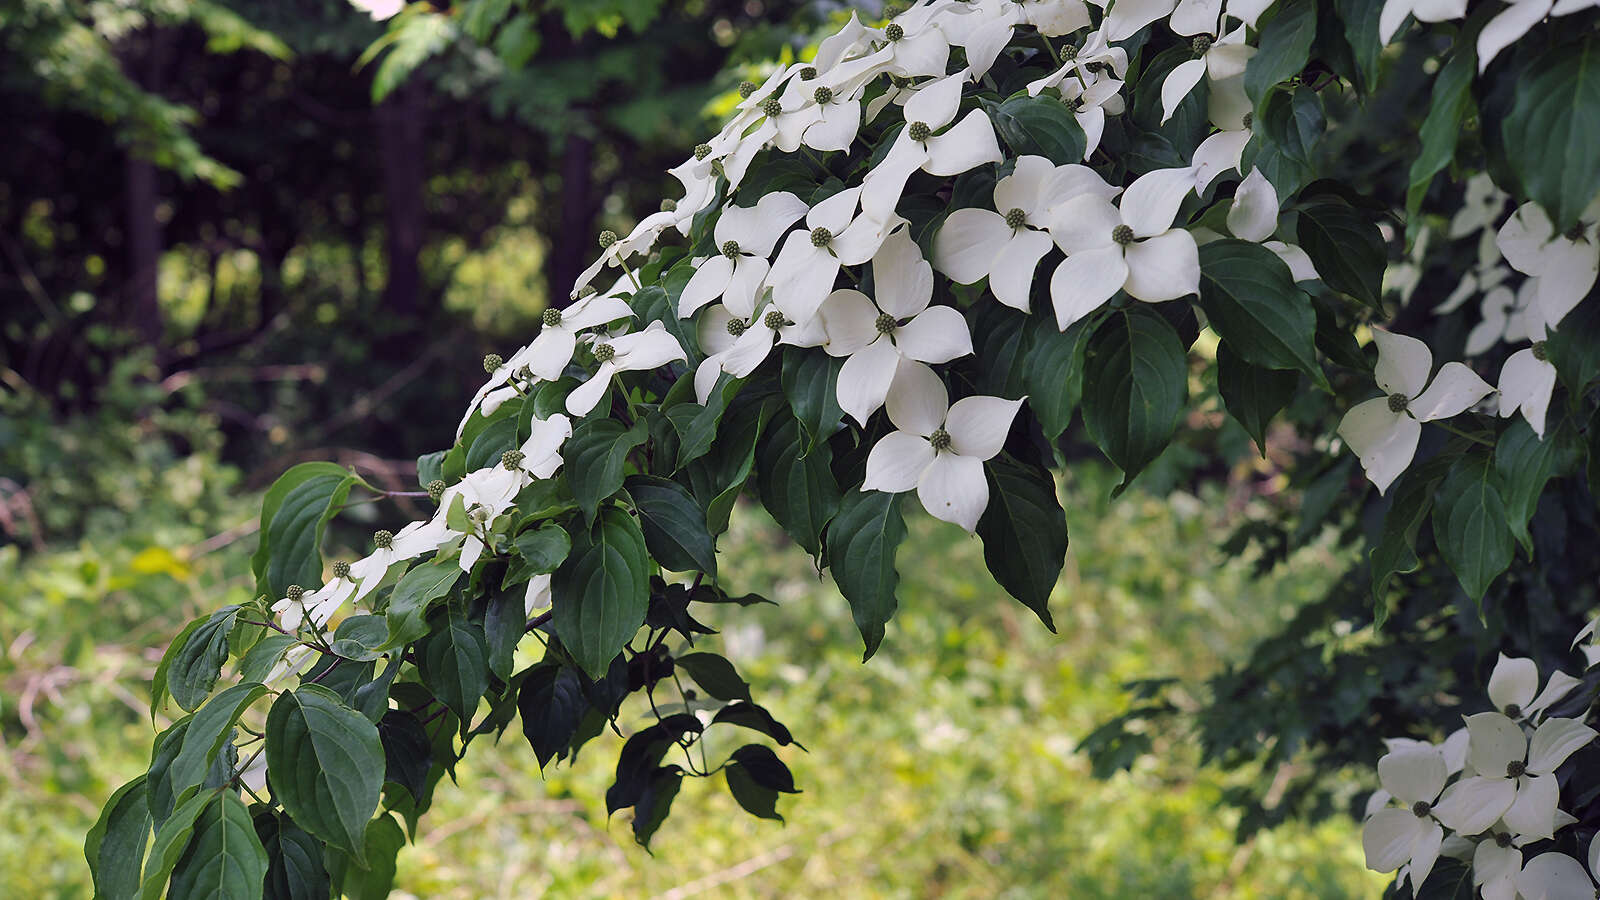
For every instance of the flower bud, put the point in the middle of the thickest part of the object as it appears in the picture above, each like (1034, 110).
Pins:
(435, 490)
(550, 317)
(736, 327)
(772, 106)
(604, 353)
(701, 151)
(746, 88)
(808, 73)
(341, 569)
(774, 320)
(607, 238)
(492, 362)
(894, 32)
(822, 95)
(940, 439)
(884, 323)
(919, 131)
(294, 593)
(383, 538)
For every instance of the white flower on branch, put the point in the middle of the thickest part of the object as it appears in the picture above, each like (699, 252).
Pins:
(1563, 265)
(745, 237)
(806, 267)
(634, 352)
(1410, 835)
(922, 145)
(1515, 778)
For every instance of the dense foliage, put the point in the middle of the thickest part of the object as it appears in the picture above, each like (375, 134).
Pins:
(860, 308)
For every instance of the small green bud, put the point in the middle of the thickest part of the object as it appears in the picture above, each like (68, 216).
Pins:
(523, 373)
(822, 94)
(716, 167)
(821, 237)
(774, 320)
(435, 491)
(736, 327)
(1200, 44)
(294, 593)
(512, 459)
(808, 73)
(341, 569)
(746, 88)
(383, 538)
(701, 151)
(604, 353)
(1398, 403)
(771, 106)
(1015, 219)
(940, 439)
(1122, 234)
(550, 317)
(492, 362)
(1249, 120)
(607, 238)
(884, 323)
(919, 131)
(1420, 809)
(894, 32)
(1516, 768)
(669, 205)
(730, 249)
(1513, 711)
(1540, 352)
(1069, 52)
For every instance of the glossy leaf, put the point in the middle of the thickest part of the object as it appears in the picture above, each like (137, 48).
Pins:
(861, 544)
(1347, 250)
(797, 486)
(594, 457)
(114, 847)
(1024, 532)
(1137, 379)
(1252, 394)
(326, 764)
(1252, 302)
(416, 591)
(225, 859)
(1469, 524)
(674, 525)
(1553, 129)
(453, 662)
(602, 590)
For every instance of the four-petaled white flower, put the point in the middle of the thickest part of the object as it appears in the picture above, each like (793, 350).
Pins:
(1383, 432)
(1217, 60)
(1514, 683)
(806, 267)
(1005, 245)
(939, 448)
(1408, 836)
(1515, 778)
(1563, 265)
(1131, 247)
(639, 351)
(745, 237)
(966, 145)
(894, 332)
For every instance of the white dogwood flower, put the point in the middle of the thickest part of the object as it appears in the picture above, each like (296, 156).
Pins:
(1219, 153)
(1515, 778)
(1554, 876)
(1079, 61)
(1006, 244)
(1384, 431)
(745, 237)
(1408, 836)
(897, 326)
(1253, 215)
(1131, 247)
(1514, 684)
(1217, 60)
(639, 351)
(803, 274)
(551, 350)
(966, 145)
(1526, 381)
(939, 448)
(1564, 265)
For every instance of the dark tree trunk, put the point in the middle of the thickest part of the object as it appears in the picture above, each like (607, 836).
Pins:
(400, 121)
(141, 309)
(573, 247)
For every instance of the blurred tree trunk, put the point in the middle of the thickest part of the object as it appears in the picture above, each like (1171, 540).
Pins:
(144, 58)
(400, 121)
(573, 246)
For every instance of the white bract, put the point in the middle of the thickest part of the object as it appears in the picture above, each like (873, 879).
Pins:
(1253, 215)
(921, 144)
(1395, 12)
(1409, 836)
(745, 237)
(1514, 683)
(804, 272)
(1563, 265)
(1515, 20)
(939, 448)
(1218, 61)
(1131, 247)
(1005, 245)
(1515, 778)
(892, 333)
(1384, 431)
(639, 351)
(1526, 381)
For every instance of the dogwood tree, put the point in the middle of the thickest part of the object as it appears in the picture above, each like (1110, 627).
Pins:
(932, 257)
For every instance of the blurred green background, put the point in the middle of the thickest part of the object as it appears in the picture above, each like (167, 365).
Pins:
(220, 255)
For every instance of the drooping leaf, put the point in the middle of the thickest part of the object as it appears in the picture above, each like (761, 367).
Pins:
(1553, 128)
(207, 731)
(756, 799)
(1470, 524)
(1252, 394)
(797, 486)
(224, 859)
(1346, 248)
(861, 544)
(374, 881)
(551, 703)
(1024, 532)
(756, 718)
(1283, 47)
(326, 764)
(198, 661)
(1451, 105)
(810, 383)
(453, 662)
(602, 590)
(594, 458)
(1053, 372)
(171, 839)
(1524, 464)
(716, 675)
(1252, 302)
(674, 525)
(1135, 385)
(294, 514)
(114, 847)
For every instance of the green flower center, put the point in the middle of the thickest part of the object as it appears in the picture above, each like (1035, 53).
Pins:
(1072, 103)
(1016, 218)
(341, 569)
(383, 538)
(701, 151)
(823, 94)
(435, 491)
(808, 73)
(604, 353)
(669, 206)
(492, 362)
(746, 88)
(1069, 52)
(730, 249)
(1200, 44)
(940, 439)
(919, 131)
(512, 459)
(1503, 839)
(1516, 768)
(884, 323)
(1122, 234)
(294, 593)
(821, 237)
(1398, 403)
(1420, 809)
(894, 32)
(551, 317)
(772, 106)
(1249, 120)
(607, 238)
(1513, 711)
(1540, 352)
(773, 319)
(589, 290)
(736, 327)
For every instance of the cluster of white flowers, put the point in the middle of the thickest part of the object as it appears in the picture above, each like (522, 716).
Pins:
(1493, 783)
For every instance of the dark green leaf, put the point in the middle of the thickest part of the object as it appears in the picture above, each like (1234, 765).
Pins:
(207, 731)
(1024, 532)
(382, 843)
(1253, 395)
(1524, 464)
(1360, 19)
(756, 799)
(697, 425)
(503, 627)
(716, 675)
(1040, 126)
(430, 466)
(655, 803)
(674, 525)
(172, 838)
(594, 457)
(1283, 47)
(407, 752)
(1136, 382)
(453, 662)
(1450, 107)
(1053, 372)
(1346, 248)
(115, 845)
(359, 637)
(543, 548)
(797, 487)
(413, 595)
(1253, 304)
(551, 703)
(198, 661)
(1554, 127)
(810, 383)
(999, 342)
(225, 859)
(765, 768)
(1469, 524)
(602, 590)
(295, 870)
(756, 718)
(861, 543)
(492, 442)
(293, 515)
(325, 763)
